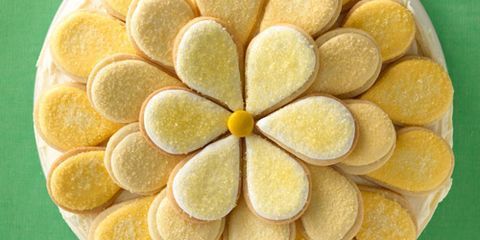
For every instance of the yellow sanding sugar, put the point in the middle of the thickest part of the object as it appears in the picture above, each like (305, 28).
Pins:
(422, 161)
(120, 7)
(243, 224)
(280, 61)
(239, 15)
(154, 24)
(82, 183)
(313, 16)
(385, 219)
(390, 24)
(320, 128)
(119, 89)
(278, 186)
(127, 222)
(84, 38)
(206, 187)
(334, 205)
(348, 63)
(179, 121)
(66, 119)
(207, 61)
(416, 91)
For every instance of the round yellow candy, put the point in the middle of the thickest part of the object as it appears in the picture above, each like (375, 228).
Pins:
(240, 123)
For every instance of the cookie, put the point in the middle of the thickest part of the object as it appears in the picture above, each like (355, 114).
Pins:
(78, 181)
(421, 163)
(134, 164)
(119, 84)
(65, 119)
(390, 23)
(414, 91)
(376, 140)
(152, 26)
(84, 38)
(117, 8)
(350, 63)
(281, 63)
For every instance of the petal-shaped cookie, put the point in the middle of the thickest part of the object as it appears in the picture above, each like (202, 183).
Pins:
(239, 15)
(206, 187)
(318, 129)
(78, 181)
(386, 216)
(414, 91)
(207, 60)
(117, 8)
(134, 164)
(84, 38)
(242, 224)
(350, 63)
(118, 86)
(390, 23)
(164, 222)
(277, 186)
(65, 119)
(314, 16)
(126, 220)
(281, 63)
(179, 121)
(421, 162)
(336, 210)
(154, 24)
(376, 140)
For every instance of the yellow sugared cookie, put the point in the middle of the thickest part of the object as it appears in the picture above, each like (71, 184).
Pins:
(421, 162)
(78, 181)
(415, 91)
(118, 86)
(390, 23)
(336, 209)
(277, 186)
(350, 63)
(65, 119)
(154, 24)
(117, 8)
(84, 38)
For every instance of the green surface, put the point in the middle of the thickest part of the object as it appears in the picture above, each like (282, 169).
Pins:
(26, 211)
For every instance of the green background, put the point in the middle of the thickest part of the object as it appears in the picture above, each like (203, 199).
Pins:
(26, 211)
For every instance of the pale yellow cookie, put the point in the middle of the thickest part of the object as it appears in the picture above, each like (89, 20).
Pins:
(117, 8)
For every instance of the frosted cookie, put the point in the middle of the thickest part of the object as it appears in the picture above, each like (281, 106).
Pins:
(165, 222)
(118, 86)
(414, 91)
(179, 121)
(206, 187)
(126, 220)
(153, 25)
(314, 16)
(421, 163)
(281, 63)
(390, 23)
(65, 119)
(134, 164)
(242, 224)
(84, 38)
(277, 186)
(117, 8)
(318, 129)
(376, 141)
(78, 181)
(336, 209)
(386, 216)
(207, 60)
(350, 63)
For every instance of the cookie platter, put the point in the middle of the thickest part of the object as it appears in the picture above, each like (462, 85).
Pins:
(420, 206)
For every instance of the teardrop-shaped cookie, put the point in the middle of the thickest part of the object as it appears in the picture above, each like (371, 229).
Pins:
(117, 8)
(206, 187)
(179, 121)
(281, 63)
(277, 186)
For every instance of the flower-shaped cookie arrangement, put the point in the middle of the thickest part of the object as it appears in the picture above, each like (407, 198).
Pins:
(242, 129)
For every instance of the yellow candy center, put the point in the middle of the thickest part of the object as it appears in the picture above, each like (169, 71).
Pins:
(240, 123)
